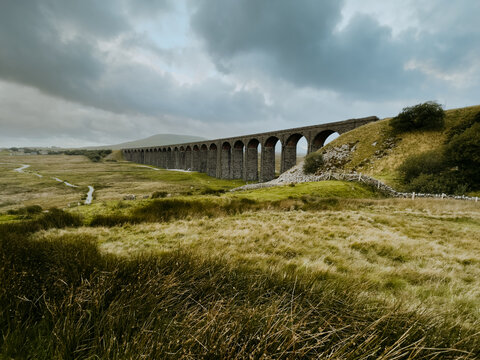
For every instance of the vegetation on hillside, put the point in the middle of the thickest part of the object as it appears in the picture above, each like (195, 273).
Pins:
(381, 152)
(93, 155)
(426, 116)
(313, 162)
(451, 168)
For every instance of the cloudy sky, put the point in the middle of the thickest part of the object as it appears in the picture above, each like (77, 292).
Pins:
(75, 73)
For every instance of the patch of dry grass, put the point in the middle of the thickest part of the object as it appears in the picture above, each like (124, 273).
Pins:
(425, 253)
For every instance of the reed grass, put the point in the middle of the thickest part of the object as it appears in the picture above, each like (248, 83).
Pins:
(65, 299)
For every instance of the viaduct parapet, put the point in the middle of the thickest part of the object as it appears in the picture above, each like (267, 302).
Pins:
(237, 157)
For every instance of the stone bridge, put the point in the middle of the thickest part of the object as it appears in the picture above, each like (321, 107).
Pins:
(237, 157)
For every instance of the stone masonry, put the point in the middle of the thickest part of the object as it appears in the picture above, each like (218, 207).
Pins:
(237, 157)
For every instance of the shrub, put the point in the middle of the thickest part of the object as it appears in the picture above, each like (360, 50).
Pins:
(27, 210)
(111, 220)
(428, 115)
(464, 149)
(313, 162)
(464, 125)
(93, 155)
(210, 191)
(430, 162)
(159, 194)
(446, 182)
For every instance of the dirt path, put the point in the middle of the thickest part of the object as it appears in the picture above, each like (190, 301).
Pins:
(21, 169)
(156, 169)
(89, 199)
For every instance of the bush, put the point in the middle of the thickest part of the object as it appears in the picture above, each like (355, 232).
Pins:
(430, 162)
(159, 194)
(93, 155)
(27, 210)
(210, 191)
(446, 182)
(313, 162)
(464, 149)
(464, 125)
(429, 115)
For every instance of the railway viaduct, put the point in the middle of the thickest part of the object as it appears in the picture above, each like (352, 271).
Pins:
(237, 157)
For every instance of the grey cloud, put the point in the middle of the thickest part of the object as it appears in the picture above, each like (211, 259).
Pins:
(281, 63)
(34, 53)
(302, 45)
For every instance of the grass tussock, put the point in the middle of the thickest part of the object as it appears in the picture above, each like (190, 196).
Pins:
(53, 218)
(65, 299)
(164, 210)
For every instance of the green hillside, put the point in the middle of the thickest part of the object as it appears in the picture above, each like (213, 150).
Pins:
(379, 152)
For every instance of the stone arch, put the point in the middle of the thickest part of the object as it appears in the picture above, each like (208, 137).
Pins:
(176, 157)
(170, 158)
(251, 160)
(237, 160)
(267, 171)
(212, 160)
(163, 162)
(226, 161)
(196, 158)
(151, 156)
(203, 158)
(289, 151)
(181, 157)
(319, 139)
(155, 156)
(188, 157)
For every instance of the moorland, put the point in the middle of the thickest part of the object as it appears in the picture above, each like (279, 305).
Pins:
(190, 270)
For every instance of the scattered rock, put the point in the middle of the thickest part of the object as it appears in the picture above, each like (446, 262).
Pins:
(129, 197)
(337, 156)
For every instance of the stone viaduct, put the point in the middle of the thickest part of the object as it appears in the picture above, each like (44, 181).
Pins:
(237, 157)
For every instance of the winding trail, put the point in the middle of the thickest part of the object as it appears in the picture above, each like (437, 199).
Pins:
(21, 168)
(65, 182)
(89, 199)
(156, 169)
(91, 189)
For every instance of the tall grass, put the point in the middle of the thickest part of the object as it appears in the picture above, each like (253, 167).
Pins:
(164, 210)
(64, 299)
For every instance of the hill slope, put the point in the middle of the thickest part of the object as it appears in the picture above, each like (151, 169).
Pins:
(154, 140)
(378, 153)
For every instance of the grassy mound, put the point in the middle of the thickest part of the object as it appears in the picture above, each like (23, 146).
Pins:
(379, 153)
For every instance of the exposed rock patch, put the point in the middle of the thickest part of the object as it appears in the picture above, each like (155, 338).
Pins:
(336, 157)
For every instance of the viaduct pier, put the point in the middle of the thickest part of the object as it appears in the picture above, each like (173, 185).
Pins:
(237, 157)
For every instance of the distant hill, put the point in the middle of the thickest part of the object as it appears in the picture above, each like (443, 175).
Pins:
(155, 140)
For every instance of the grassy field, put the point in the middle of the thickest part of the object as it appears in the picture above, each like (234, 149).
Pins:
(112, 180)
(317, 270)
